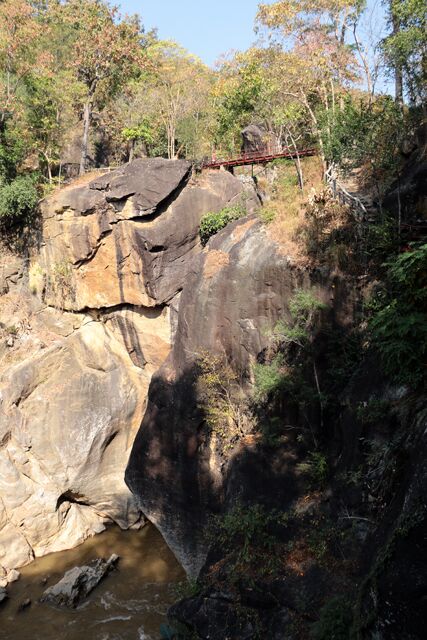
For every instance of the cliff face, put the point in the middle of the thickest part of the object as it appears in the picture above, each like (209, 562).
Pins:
(138, 227)
(182, 470)
(346, 467)
(122, 339)
(83, 328)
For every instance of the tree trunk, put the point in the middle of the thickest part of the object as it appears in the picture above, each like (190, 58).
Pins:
(296, 159)
(87, 115)
(398, 71)
(85, 140)
(172, 143)
(131, 150)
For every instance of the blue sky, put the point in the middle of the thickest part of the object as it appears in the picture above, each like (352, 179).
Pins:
(207, 28)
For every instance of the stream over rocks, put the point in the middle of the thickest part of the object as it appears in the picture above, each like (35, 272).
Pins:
(129, 604)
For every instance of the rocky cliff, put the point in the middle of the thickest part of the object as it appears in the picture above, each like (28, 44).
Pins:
(283, 469)
(309, 504)
(236, 290)
(85, 322)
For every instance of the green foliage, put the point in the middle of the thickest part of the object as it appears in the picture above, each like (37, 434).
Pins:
(373, 411)
(408, 274)
(335, 621)
(245, 530)
(303, 307)
(18, 201)
(406, 46)
(237, 102)
(279, 374)
(219, 397)
(211, 223)
(316, 467)
(12, 152)
(270, 379)
(381, 238)
(401, 338)
(398, 325)
(367, 135)
(267, 215)
(143, 132)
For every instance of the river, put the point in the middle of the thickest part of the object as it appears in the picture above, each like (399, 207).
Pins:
(130, 604)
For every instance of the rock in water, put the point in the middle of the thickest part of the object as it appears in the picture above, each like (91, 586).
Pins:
(24, 605)
(78, 583)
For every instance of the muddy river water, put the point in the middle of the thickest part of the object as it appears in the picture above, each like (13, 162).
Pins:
(130, 604)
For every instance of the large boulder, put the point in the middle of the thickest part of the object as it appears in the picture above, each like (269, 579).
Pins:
(138, 226)
(68, 416)
(78, 583)
(253, 139)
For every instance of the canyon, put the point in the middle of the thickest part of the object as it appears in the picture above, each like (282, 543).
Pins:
(113, 318)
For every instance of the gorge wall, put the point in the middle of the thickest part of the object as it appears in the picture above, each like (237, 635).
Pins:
(113, 334)
(182, 470)
(85, 321)
(339, 464)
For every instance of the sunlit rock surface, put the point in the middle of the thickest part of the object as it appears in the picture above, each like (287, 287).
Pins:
(130, 236)
(84, 324)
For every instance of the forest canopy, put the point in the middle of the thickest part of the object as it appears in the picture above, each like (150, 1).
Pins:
(82, 85)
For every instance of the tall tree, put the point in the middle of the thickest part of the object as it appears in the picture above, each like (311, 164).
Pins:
(318, 59)
(398, 66)
(23, 51)
(105, 51)
(406, 48)
(179, 90)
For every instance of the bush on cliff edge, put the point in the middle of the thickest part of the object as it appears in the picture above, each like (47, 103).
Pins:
(211, 223)
(18, 201)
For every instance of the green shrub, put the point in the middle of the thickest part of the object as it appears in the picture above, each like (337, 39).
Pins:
(18, 200)
(335, 621)
(398, 325)
(316, 467)
(269, 378)
(211, 223)
(283, 373)
(267, 215)
(243, 529)
(216, 385)
(304, 305)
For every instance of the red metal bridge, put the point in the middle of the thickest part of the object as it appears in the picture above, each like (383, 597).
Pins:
(261, 156)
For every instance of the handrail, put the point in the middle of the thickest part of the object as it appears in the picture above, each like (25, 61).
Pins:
(340, 193)
(266, 154)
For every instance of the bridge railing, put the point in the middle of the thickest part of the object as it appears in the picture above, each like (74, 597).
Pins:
(268, 151)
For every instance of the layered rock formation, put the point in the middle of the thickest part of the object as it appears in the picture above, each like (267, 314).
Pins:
(81, 335)
(138, 227)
